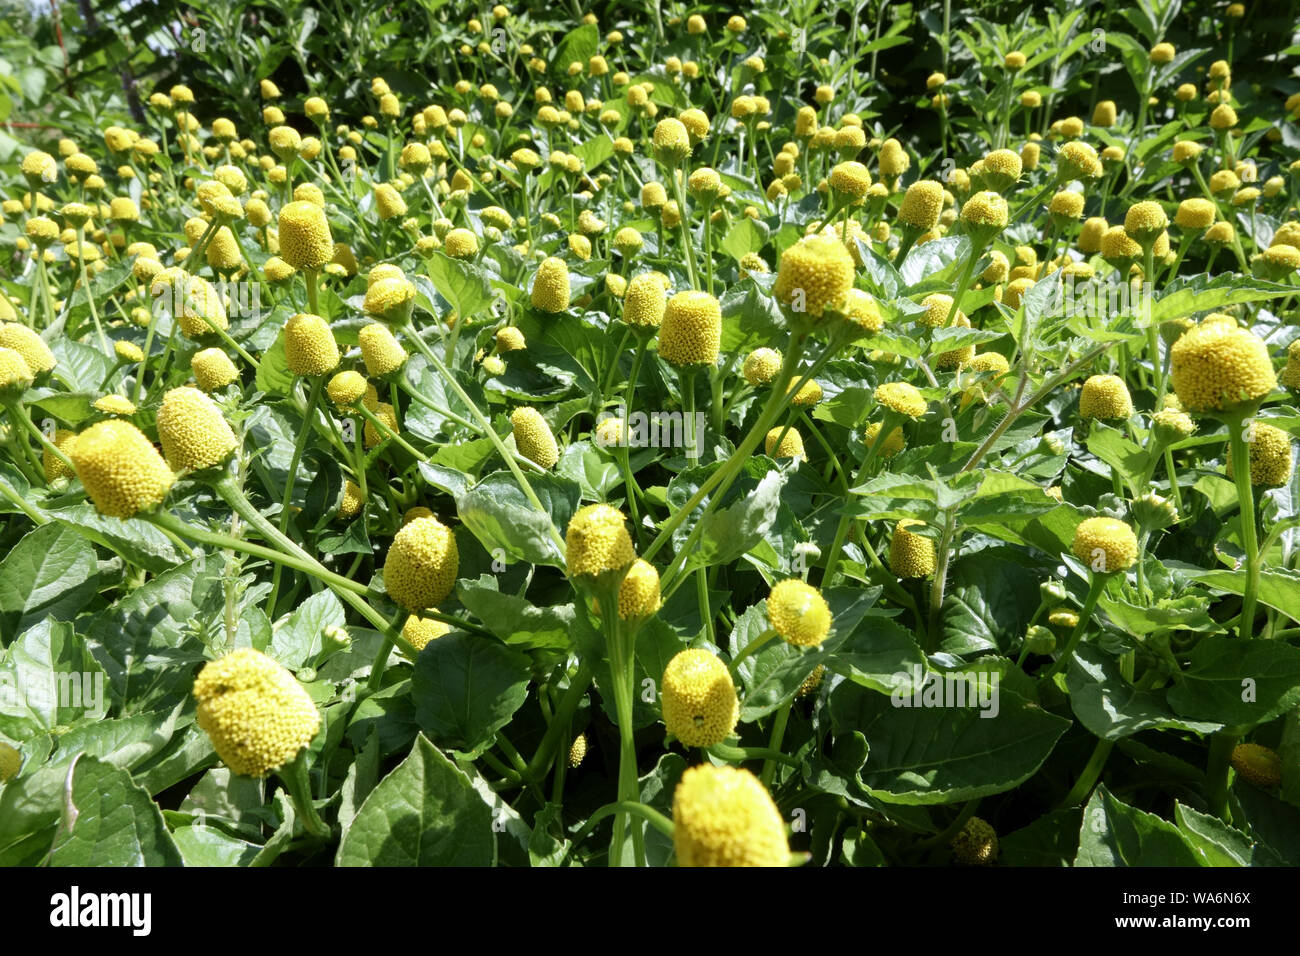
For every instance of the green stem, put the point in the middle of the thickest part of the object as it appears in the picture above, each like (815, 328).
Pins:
(294, 775)
(1250, 540)
(1088, 777)
(291, 478)
(774, 742)
(1089, 605)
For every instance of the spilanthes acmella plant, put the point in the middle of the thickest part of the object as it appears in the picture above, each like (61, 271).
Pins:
(634, 426)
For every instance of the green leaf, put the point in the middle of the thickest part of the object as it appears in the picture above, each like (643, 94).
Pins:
(1115, 834)
(51, 573)
(146, 643)
(744, 237)
(733, 528)
(111, 822)
(596, 472)
(51, 681)
(1200, 293)
(499, 515)
(124, 742)
(273, 375)
(211, 846)
(938, 754)
(514, 619)
(137, 541)
(466, 688)
(1111, 707)
(880, 655)
(1218, 844)
(578, 46)
(1051, 840)
(1236, 681)
(302, 636)
(425, 813)
(1277, 589)
(464, 286)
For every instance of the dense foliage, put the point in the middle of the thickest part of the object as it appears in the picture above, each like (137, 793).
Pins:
(850, 435)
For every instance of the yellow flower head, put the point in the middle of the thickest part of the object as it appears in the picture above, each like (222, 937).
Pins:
(52, 465)
(510, 339)
(1270, 455)
(1105, 397)
(380, 350)
(256, 713)
(419, 631)
(902, 398)
(578, 750)
(120, 468)
(892, 443)
(1215, 368)
(1118, 248)
(863, 311)
(791, 446)
(1171, 425)
(389, 203)
(391, 298)
(551, 286)
(346, 388)
(799, 613)
(422, 563)
(985, 212)
(1104, 113)
(921, 205)
(638, 595)
(893, 159)
(193, 433)
(761, 366)
(1196, 214)
(1001, 169)
(691, 331)
(1162, 53)
(1066, 205)
(460, 243)
(698, 697)
(911, 555)
(850, 179)
(1106, 545)
(533, 436)
(976, 844)
(128, 352)
(597, 541)
(112, 404)
(309, 346)
(815, 272)
(672, 142)
(1145, 221)
(305, 238)
(1257, 764)
(1077, 161)
(29, 345)
(723, 816)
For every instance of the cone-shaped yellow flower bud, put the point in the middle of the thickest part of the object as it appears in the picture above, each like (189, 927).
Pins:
(921, 205)
(305, 238)
(761, 366)
(985, 212)
(1257, 764)
(1106, 545)
(911, 555)
(346, 388)
(52, 465)
(380, 350)
(850, 179)
(976, 844)
(352, 501)
(1105, 397)
(29, 345)
(902, 398)
(120, 468)
(533, 436)
(891, 445)
(193, 433)
(128, 351)
(638, 595)
(691, 332)
(799, 613)
(422, 564)
(1145, 221)
(815, 272)
(578, 750)
(596, 542)
(791, 445)
(390, 298)
(419, 631)
(1270, 455)
(645, 301)
(387, 415)
(11, 761)
(118, 405)
(1216, 368)
(672, 142)
(1195, 214)
(723, 816)
(698, 697)
(460, 244)
(894, 160)
(256, 713)
(1077, 161)
(15, 376)
(1171, 425)
(551, 286)
(309, 346)
(193, 300)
